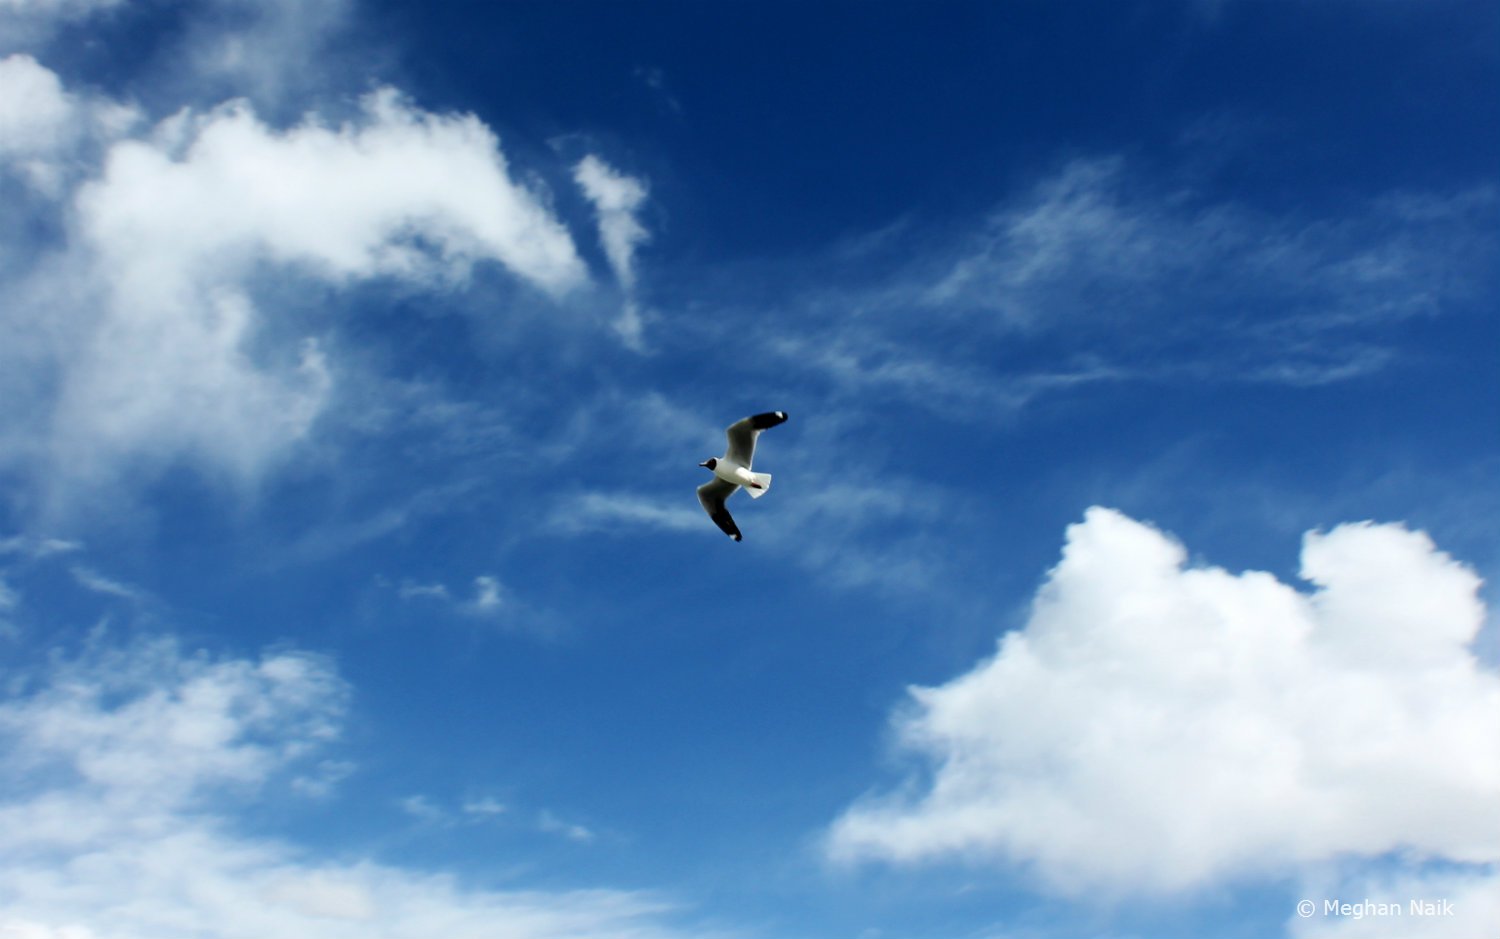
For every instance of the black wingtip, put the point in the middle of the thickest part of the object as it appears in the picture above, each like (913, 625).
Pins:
(768, 419)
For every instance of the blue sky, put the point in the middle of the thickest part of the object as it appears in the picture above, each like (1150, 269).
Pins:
(1126, 570)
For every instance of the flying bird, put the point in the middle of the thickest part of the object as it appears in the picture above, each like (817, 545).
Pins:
(732, 470)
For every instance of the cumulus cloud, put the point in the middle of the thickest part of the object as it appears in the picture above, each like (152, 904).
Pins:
(118, 765)
(616, 199)
(1160, 727)
(42, 124)
(151, 728)
(162, 351)
(347, 202)
(34, 109)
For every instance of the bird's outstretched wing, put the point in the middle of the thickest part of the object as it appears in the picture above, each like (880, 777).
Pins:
(712, 494)
(742, 434)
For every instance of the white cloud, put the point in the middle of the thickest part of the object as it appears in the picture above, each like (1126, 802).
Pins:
(1155, 727)
(42, 125)
(35, 112)
(25, 23)
(1099, 272)
(616, 199)
(410, 591)
(1091, 246)
(490, 597)
(120, 772)
(165, 354)
(485, 808)
(276, 48)
(550, 823)
(91, 579)
(876, 532)
(322, 779)
(33, 548)
(9, 600)
(866, 366)
(619, 512)
(855, 534)
(656, 80)
(268, 49)
(348, 202)
(422, 809)
(60, 9)
(1073, 220)
(149, 727)
(630, 326)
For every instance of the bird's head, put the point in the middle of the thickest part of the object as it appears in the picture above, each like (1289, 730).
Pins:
(709, 463)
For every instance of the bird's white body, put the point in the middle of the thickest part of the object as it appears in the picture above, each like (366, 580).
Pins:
(731, 472)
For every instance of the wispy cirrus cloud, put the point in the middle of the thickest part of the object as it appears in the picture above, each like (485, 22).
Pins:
(487, 596)
(34, 547)
(1068, 754)
(10, 598)
(617, 199)
(484, 807)
(485, 601)
(26, 23)
(279, 50)
(432, 813)
(601, 512)
(92, 580)
(853, 535)
(1100, 272)
(550, 823)
(1099, 245)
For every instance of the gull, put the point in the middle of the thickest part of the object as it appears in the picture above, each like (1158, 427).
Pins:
(732, 470)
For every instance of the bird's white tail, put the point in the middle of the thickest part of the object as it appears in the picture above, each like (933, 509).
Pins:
(761, 482)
